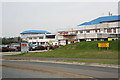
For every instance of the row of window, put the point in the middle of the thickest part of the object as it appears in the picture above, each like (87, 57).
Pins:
(96, 30)
(110, 30)
(87, 31)
(36, 38)
(47, 37)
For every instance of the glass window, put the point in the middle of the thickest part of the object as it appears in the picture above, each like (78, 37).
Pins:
(30, 38)
(88, 31)
(35, 37)
(95, 30)
(114, 30)
(81, 31)
(40, 37)
(109, 30)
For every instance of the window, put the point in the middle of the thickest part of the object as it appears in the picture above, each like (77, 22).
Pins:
(109, 30)
(33, 42)
(41, 37)
(88, 31)
(118, 30)
(35, 37)
(50, 36)
(30, 38)
(95, 30)
(98, 30)
(105, 30)
(81, 31)
(114, 30)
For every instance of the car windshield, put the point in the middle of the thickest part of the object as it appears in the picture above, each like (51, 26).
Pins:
(4, 45)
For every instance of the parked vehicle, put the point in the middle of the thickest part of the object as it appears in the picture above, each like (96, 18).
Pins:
(32, 47)
(0, 48)
(41, 47)
(6, 48)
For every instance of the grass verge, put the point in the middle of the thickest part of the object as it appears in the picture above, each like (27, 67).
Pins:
(83, 50)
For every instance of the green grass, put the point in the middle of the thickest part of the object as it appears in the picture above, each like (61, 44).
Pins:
(87, 50)
(83, 50)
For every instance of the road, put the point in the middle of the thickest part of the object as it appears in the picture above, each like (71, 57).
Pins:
(26, 69)
(19, 73)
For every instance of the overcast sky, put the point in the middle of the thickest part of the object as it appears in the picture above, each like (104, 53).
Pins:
(20, 16)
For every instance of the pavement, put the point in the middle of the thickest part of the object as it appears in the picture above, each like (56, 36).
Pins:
(56, 60)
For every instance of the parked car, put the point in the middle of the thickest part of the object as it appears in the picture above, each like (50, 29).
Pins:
(6, 48)
(41, 47)
(0, 48)
(32, 47)
(13, 48)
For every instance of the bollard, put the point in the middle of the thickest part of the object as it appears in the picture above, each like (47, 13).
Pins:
(48, 48)
(21, 52)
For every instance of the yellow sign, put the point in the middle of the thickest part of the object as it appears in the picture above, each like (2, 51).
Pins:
(103, 44)
(109, 39)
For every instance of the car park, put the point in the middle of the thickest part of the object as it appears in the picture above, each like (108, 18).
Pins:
(42, 47)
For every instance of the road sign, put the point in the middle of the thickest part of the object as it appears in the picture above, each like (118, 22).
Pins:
(103, 44)
(24, 47)
(109, 39)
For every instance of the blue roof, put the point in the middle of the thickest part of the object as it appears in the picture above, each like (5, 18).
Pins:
(35, 31)
(101, 19)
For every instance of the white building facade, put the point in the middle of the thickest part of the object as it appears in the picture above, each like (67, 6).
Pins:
(38, 37)
(99, 30)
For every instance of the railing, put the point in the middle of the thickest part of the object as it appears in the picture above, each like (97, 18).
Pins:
(66, 34)
(104, 25)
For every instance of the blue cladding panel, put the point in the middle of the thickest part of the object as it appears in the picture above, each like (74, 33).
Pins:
(35, 31)
(101, 19)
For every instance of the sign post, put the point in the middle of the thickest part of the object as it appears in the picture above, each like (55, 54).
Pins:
(24, 47)
(101, 45)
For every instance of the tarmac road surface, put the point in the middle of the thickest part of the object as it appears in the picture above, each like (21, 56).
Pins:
(19, 73)
(26, 69)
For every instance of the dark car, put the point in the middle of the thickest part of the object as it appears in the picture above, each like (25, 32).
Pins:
(6, 48)
(40, 47)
